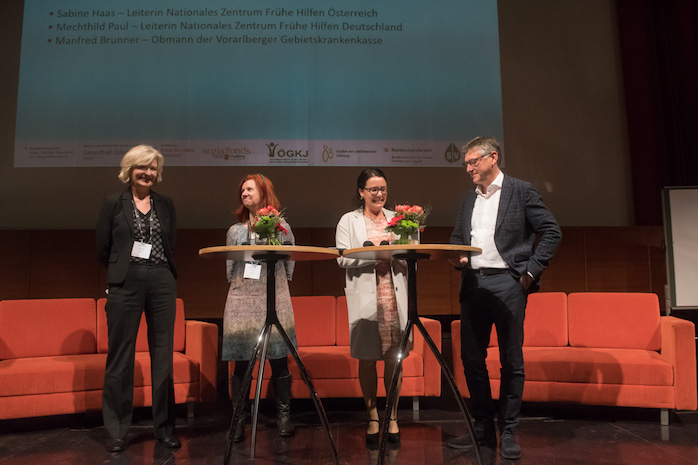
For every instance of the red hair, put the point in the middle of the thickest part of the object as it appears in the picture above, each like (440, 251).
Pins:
(266, 195)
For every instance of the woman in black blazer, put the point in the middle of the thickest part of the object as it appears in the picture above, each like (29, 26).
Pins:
(135, 236)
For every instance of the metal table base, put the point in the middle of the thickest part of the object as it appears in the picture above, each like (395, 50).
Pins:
(412, 321)
(260, 351)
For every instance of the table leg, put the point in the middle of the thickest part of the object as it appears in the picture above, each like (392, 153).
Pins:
(266, 331)
(454, 388)
(273, 320)
(244, 391)
(413, 320)
(313, 393)
(392, 394)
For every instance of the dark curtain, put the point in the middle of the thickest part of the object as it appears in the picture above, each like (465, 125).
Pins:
(659, 48)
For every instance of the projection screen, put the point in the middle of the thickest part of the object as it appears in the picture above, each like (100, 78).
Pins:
(259, 83)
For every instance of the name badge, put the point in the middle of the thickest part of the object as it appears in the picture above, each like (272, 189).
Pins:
(141, 250)
(252, 270)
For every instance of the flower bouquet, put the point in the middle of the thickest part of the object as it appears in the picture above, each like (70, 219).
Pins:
(408, 221)
(267, 225)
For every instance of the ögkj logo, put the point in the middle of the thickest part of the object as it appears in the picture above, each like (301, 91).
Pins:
(452, 154)
(274, 151)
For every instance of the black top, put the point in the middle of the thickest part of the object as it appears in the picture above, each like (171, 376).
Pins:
(147, 229)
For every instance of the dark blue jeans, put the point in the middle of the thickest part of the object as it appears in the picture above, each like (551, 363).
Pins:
(487, 300)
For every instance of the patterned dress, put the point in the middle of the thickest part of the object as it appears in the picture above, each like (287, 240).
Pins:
(246, 304)
(388, 320)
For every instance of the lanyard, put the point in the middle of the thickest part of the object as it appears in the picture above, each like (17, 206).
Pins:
(250, 234)
(150, 219)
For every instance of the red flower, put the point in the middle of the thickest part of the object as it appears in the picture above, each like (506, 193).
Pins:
(268, 211)
(407, 219)
(395, 220)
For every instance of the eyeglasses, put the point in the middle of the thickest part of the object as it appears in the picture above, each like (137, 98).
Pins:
(475, 161)
(375, 190)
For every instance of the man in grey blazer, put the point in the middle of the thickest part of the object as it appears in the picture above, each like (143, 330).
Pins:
(503, 216)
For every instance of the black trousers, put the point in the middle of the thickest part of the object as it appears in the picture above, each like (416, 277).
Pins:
(149, 288)
(487, 300)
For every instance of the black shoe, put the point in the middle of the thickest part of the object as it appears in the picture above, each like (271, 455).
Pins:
(115, 445)
(243, 415)
(374, 437)
(282, 398)
(465, 442)
(394, 438)
(286, 428)
(509, 446)
(170, 441)
(239, 431)
(239, 427)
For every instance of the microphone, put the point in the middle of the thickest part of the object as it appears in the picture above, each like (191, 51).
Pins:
(368, 244)
(385, 243)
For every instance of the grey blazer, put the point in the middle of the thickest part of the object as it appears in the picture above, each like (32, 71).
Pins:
(521, 217)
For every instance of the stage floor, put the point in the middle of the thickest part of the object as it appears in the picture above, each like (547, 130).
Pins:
(549, 434)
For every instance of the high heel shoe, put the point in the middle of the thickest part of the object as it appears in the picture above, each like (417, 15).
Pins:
(373, 438)
(394, 438)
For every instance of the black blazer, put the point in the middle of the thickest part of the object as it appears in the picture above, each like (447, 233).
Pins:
(521, 217)
(115, 235)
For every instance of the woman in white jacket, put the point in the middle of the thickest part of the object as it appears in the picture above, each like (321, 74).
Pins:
(376, 293)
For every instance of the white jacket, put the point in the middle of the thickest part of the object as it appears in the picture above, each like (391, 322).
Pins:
(361, 275)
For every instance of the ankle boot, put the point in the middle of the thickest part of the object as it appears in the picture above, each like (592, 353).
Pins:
(236, 386)
(282, 398)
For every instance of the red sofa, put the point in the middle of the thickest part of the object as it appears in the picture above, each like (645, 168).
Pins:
(591, 348)
(53, 353)
(322, 332)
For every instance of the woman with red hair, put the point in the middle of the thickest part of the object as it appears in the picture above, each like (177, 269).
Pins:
(246, 305)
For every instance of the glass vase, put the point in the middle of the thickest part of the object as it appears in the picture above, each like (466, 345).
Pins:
(406, 239)
(267, 239)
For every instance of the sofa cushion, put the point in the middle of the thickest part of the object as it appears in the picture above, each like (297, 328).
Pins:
(332, 362)
(42, 375)
(315, 320)
(142, 338)
(47, 327)
(614, 320)
(545, 324)
(594, 366)
(72, 373)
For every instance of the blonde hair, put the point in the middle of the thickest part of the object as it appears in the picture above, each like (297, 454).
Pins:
(140, 155)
